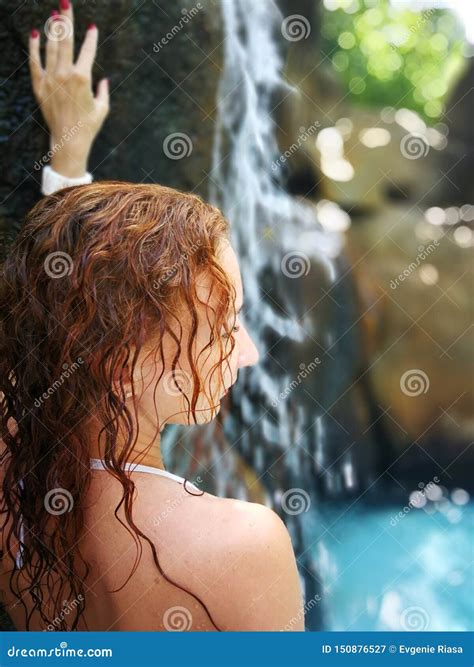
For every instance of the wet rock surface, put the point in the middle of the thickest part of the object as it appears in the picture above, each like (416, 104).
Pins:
(157, 89)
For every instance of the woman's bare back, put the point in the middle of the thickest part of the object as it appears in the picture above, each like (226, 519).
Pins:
(233, 556)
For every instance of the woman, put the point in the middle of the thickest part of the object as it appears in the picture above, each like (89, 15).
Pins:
(120, 314)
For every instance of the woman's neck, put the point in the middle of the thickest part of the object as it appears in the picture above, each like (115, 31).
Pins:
(141, 453)
(152, 458)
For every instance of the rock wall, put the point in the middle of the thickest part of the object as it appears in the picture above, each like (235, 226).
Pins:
(157, 89)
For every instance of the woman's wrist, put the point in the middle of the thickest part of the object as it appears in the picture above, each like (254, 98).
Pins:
(69, 165)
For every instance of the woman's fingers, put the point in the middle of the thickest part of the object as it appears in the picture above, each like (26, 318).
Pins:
(64, 25)
(88, 51)
(51, 45)
(36, 69)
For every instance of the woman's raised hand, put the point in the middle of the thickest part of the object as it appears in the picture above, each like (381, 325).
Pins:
(64, 93)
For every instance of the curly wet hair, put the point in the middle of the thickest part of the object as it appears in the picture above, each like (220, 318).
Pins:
(97, 271)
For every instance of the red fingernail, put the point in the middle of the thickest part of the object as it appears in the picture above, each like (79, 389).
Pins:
(55, 12)
(64, 4)
(34, 33)
(91, 26)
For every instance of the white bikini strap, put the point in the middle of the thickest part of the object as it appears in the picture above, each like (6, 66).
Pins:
(98, 464)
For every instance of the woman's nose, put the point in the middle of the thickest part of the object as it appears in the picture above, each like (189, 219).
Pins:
(248, 354)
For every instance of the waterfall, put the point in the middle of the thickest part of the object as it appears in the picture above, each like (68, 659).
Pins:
(246, 187)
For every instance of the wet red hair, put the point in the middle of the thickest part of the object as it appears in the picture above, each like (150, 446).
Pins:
(96, 271)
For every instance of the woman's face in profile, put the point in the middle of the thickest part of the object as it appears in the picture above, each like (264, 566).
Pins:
(170, 399)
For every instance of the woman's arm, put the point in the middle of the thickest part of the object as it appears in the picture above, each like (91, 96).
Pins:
(63, 90)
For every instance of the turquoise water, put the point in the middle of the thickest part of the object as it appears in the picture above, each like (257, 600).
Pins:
(383, 572)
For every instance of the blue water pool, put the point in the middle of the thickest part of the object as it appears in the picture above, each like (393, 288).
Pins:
(383, 571)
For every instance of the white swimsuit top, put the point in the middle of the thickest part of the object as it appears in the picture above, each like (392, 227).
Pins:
(98, 464)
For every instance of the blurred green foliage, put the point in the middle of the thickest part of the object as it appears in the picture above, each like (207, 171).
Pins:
(387, 56)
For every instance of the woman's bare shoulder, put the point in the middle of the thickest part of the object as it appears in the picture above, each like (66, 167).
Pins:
(228, 523)
(244, 520)
(246, 566)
